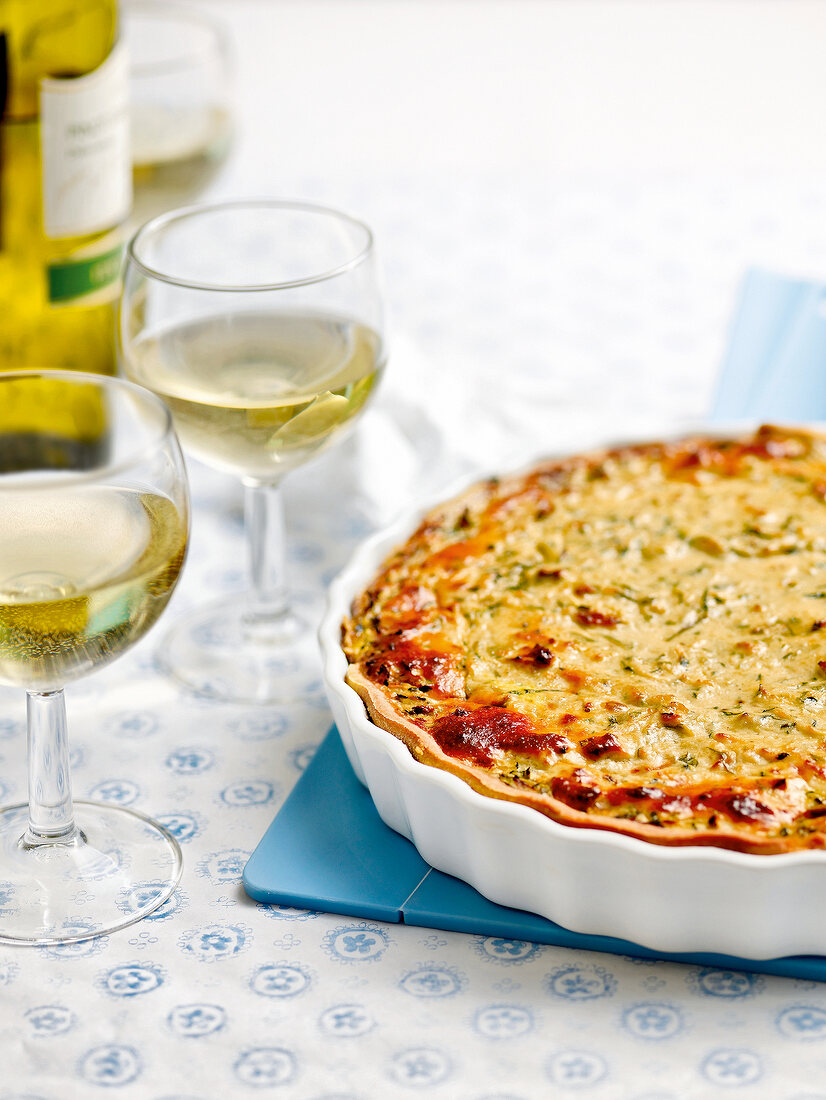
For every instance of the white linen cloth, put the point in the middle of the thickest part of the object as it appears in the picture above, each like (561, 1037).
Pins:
(218, 996)
(529, 312)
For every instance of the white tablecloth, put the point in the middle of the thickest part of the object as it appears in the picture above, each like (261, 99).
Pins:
(540, 309)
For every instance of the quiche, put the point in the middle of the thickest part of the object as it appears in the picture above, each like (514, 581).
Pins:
(632, 640)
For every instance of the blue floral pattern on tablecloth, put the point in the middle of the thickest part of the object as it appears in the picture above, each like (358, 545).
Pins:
(576, 289)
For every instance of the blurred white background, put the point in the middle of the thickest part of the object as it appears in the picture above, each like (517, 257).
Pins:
(570, 85)
(565, 194)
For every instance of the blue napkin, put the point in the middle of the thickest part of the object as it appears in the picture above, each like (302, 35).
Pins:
(774, 367)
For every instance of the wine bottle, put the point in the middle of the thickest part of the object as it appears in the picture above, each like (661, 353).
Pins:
(65, 192)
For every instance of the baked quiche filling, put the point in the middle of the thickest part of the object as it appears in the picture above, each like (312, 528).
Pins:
(633, 640)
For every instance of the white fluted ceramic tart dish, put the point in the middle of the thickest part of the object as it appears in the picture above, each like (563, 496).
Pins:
(591, 688)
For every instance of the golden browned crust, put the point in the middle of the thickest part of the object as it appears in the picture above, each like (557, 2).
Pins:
(626, 641)
(427, 751)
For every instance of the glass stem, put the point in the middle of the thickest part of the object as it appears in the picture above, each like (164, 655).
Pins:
(264, 521)
(51, 816)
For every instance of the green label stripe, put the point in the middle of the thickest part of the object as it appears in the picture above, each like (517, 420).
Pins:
(75, 278)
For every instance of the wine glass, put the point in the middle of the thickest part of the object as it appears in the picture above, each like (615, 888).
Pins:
(95, 520)
(180, 118)
(260, 324)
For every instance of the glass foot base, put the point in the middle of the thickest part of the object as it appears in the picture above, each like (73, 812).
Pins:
(118, 867)
(221, 653)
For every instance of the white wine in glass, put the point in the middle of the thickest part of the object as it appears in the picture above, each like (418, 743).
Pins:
(89, 556)
(259, 393)
(260, 324)
(84, 572)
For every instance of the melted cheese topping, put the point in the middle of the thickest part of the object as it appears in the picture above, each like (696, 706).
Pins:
(634, 640)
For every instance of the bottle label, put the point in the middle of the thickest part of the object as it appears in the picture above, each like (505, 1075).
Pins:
(78, 278)
(84, 139)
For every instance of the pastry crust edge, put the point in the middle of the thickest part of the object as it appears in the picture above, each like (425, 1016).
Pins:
(426, 750)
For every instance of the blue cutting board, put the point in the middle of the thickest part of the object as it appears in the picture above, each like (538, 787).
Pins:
(327, 849)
